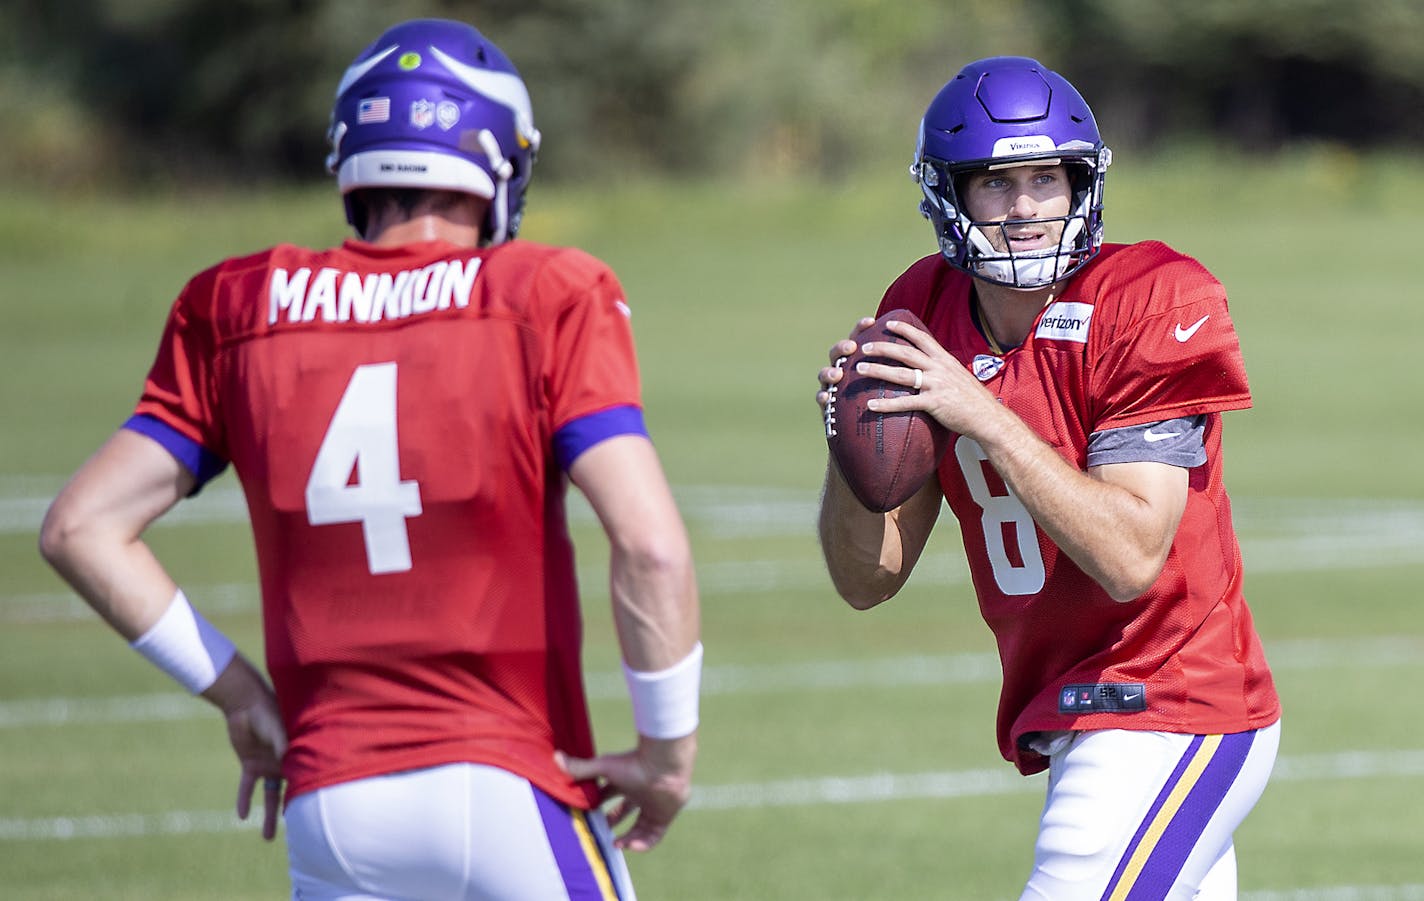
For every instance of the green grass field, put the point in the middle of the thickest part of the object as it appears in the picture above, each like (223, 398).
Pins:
(844, 755)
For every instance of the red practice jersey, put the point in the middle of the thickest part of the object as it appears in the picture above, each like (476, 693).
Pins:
(398, 418)
(1140, 335)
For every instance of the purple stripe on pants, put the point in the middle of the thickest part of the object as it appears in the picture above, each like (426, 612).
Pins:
(1176, 842)
(1152, 812)
(574, 865)
(1182, 833)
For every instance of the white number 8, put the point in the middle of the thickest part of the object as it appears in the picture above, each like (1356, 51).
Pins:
(1027, 575)
(362, 435)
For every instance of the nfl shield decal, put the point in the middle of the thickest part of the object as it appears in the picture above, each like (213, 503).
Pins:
(985, 367)
(422, 114)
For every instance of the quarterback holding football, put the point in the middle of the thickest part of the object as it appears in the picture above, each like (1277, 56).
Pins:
(1082, 385)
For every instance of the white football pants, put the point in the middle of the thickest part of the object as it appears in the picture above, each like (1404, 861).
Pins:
(460, 832)
(1147, 816)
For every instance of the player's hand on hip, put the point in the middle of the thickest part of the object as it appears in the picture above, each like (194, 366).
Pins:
(830, 375)
(255, 731)
(259, 740)
(654, 782)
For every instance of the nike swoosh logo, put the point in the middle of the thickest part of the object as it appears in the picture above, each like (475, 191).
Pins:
(1185, 334)
(1128, 697)
(1151, 436)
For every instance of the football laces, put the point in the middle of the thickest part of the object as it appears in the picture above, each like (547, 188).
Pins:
(830, 411)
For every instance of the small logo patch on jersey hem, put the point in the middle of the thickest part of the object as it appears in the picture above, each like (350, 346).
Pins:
(1065, 321)
(1103, 697)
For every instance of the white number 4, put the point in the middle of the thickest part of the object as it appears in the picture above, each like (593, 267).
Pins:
(362, 435)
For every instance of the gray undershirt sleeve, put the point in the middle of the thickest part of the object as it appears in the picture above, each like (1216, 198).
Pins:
(1176, 442)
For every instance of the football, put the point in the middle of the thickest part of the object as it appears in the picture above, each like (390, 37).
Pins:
(884, 457)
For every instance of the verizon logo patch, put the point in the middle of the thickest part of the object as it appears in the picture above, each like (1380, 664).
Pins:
(1065, 321)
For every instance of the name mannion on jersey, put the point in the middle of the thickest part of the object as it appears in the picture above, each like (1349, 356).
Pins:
(336, 295)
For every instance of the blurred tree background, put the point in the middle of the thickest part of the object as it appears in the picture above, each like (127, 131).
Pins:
(113, 93)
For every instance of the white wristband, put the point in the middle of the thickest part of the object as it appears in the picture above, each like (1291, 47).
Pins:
(665, 702)
(186, 646)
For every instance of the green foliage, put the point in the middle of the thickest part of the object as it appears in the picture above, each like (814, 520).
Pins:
(104, 92)
(1255, 74)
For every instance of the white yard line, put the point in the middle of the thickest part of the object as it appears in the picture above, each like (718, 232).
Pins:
(982, 783)
(1411, 892)
(744, 679)
(1277, 535)
(804, 792)
(737, 511)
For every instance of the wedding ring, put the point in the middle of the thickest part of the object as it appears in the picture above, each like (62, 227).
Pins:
(271, 785)
(919, 378)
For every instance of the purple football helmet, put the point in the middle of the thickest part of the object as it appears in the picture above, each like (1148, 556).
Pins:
(434, 104)
(1000, 112)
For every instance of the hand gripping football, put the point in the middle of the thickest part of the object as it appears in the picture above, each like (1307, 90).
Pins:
(884, 457)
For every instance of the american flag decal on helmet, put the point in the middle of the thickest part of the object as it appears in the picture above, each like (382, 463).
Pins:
(373, 111)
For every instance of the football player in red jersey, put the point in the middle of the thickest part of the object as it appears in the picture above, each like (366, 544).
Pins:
(1083, 386)
(404, 413)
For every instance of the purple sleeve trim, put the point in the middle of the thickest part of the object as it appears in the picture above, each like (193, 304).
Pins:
(582, 433)
(201, 462)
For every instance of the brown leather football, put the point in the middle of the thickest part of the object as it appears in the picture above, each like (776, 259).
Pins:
(884, 457)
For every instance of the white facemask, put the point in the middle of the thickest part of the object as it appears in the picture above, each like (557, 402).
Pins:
(1033, 269)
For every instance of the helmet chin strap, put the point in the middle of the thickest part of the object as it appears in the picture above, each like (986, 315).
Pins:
(1027, 271)
(503, 170)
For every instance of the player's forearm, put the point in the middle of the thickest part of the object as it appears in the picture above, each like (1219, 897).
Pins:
(92, 532)
(1114, 535)
(111, 568)
(120, 578)
(657, 619)
(864, 551)
(655, 607)
(655, 603)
